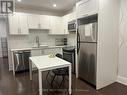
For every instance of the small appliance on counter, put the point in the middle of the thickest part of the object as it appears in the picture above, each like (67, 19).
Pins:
(65, 41)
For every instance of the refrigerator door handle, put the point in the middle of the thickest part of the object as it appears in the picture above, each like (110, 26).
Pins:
(78, 42)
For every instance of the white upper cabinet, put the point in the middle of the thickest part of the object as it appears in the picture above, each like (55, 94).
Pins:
(86, 8)
(71, 16)
(44, 22)
(56, 25)
(38, 21)
(13, 24)
(18, 24)
(65, 24)
(67, 18)
(23, 24)
(33, 21)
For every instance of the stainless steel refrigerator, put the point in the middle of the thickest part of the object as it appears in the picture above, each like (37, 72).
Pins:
(87, 50)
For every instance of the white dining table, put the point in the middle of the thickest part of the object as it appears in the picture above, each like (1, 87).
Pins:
(44, 63)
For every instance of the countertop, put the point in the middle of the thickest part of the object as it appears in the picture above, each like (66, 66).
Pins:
(40, 48)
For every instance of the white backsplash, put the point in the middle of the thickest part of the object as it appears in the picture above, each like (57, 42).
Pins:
(24, 41)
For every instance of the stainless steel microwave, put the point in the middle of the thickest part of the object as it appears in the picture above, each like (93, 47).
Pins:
(72, 26)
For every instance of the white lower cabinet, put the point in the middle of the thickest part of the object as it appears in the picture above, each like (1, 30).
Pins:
(53, 51)
(36, 53)
(46, 51)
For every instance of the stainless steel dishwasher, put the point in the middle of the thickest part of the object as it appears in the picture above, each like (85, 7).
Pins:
(21, 60)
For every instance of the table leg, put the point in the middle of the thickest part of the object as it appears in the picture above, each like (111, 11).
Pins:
(70, 80)
(76, 63)
(40, 82)
(30, 69)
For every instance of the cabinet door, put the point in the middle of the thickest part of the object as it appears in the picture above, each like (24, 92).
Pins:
(36, 52)
(33, 21)
(58, 50)
(86, 8)
(72, 16)
(45, 22)
(13, 24)
(53, 51)
(56, 25)
(23, 22)
(48, 51)
(65, 24)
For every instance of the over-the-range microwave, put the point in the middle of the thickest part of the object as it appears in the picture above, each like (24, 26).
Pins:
(72, 26)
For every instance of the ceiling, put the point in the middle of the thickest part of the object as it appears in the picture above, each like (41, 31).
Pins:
(61, 5)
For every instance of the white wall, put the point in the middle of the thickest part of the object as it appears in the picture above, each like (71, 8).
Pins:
(122, 68)
(107, 47)
(2, 31)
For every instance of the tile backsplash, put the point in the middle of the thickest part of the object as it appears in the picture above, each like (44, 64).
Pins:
(23, 41)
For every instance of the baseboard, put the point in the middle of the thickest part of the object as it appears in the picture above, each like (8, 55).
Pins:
(122, 80)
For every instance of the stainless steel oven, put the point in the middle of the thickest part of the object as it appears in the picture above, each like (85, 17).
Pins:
(72, 26)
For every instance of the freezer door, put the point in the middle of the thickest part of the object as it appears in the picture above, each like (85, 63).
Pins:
(88, 32)
(87, 62)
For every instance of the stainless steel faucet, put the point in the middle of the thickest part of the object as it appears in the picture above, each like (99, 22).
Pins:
(37, 41)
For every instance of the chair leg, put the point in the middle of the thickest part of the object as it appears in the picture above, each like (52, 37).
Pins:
(53, 80)
(61, 82)
(47, 75)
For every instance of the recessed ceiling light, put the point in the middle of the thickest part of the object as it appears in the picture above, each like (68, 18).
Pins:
(54, 5)
(19, 0)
